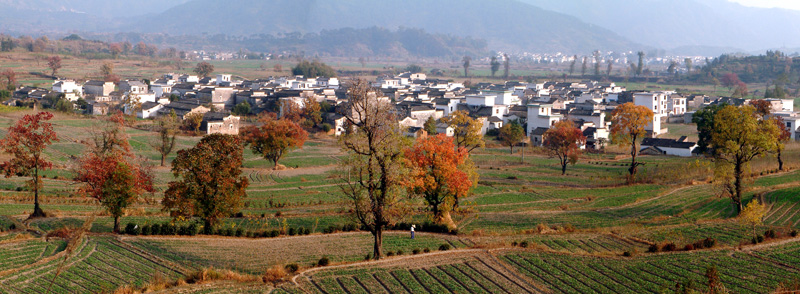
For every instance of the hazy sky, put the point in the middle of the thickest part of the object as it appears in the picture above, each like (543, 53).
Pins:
(789, 4)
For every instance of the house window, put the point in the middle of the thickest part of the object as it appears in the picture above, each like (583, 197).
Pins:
(789, 125)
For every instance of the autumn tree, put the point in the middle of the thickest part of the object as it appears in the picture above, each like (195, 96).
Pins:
(465, 62)
(783, 136)
(11, 79)
(54, 63)
(210, 185)
(562, 141)
(763, 107)
(628, 123)
(730, 80)
(312, 112)
(740, 91)
(494, 65)
(466, 130)
(110, 137)
(204, 69)
(192, 121)
(753, 215)
(107, 69)
(274, 137)
(26, 141)
(738, 137)
(113, 179)
(373, 174)
(439, 173)
(167, 128)
(115, 49)
(511, 134)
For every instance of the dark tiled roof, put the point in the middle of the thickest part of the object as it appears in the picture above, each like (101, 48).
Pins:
(669, 143)
(539, 131)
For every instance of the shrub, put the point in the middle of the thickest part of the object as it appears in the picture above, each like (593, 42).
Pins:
(444, 247)
(191, 229)
(770, 234)
(688, 247)
(306, 231)
(400, 252)
(155, 229)
(292, 231)
(669, 247)
(569, 228)
(326, 127)
(523, 244)
(292, 267)
(146, 230)
(14, 227)
(627, 254)
(132, 229)
(324, 261)
(793, 233)
(239, 232)
(709, 243)
(274, 275)
(390, 253)
(368, 256)
(514, 243)
(653, 248)
(415, 251)
(426, 250)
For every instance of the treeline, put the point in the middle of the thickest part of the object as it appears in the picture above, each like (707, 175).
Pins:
(93, 49)
(781, 72)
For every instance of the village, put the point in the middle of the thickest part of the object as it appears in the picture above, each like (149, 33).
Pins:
(417, 99)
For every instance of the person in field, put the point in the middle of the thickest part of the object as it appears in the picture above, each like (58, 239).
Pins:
(412, 231)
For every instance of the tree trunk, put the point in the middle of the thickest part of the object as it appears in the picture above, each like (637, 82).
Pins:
(512, 149)
(563, 167)
(632, 169)
(376, 250)
(163, 158)
(780, 160)
(116, 224)
(37, 211)
(738, 186)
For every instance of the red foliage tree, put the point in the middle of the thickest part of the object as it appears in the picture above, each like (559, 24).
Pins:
(562, 141)
(26, 142)
(440, 173)
(115, 181)
(730, 80)
(274, 137)
(763, 107)
(741, 90)
(11, 78)
(115, 49)
(54, 63)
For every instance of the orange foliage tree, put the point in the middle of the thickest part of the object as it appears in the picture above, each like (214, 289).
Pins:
(274, 137)
(26, 142)
(628, 124)
(440, 173)
(562, 141)
(211, 184)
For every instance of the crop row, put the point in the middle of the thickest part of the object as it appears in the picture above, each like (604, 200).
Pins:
(23, 253)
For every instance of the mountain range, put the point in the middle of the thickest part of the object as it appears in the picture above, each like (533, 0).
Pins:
(706, 27)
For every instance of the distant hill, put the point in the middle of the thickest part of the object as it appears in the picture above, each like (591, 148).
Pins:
(710, 26)
(505, 24)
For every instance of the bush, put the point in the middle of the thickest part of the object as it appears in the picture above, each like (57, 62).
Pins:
(793, 233)
(426, 250)
(390, 253)
(523, 244)
(669, 247)
(132, 229)
(688, 247)
(444, 247)
(627, 254)
(368, 256)
(292, 231)
(415, 251)
(274, 275)
(324, 261)
(514, 243)
(155, 229)
(400, 252)
(770, 234)
(653, 248)
(292, 267)
(239, 232)
(146, 231)
(326, 127)
(709, 243)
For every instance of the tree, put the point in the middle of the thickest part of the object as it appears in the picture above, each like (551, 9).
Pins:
(11, 79)
(313, 69)
(277, 68)
(26, 141)
(430, 126)
(506, 65)
(274, 137)
(373, 173)
(363, 61)
(495, 65)
(439, 173)
(763, 107)
(204, 69)
(673, 67)
(211, 184)
(115, 49)
(738, 137)
(740, 91)
(610, 66)
(584, 66)
(54, 63)
(640, 65)
(572, 64)
(465, 63)
(466, 130)
(783, 136)
(114, 180)
(562, 141)
(704, 119)
(688, 62)
(312, 112)
(167, 128)
(242, 108)
(753, 215)
(414, 68)
(511, 134)
(107, 69)
(192, 121)
(730, 80)
(141, 48)
(597, 60)
(628, 123)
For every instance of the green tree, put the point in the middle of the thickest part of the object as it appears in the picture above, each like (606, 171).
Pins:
(495, 65)
(465, 62)
(430, 126)
(242, 108)
(506, 65)
(739, 136)
(688, 62)
(585, 66)
(511, 134)
(640, 65)
(704, 119)
(210, 185)
(414, 68)
(313, 69)
(572, 64)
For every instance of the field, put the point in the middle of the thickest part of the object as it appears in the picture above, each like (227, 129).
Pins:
(524, 228)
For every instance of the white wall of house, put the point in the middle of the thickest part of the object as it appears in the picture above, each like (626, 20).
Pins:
(487, 100)
(541, 116)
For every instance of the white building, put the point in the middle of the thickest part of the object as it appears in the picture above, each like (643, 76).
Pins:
(541, 116)
(72, 90)
(658, 102)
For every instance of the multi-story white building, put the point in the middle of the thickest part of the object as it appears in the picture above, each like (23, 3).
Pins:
(658, 102)
(541, 116)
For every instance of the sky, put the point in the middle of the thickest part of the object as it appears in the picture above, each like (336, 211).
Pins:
(788, 4)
